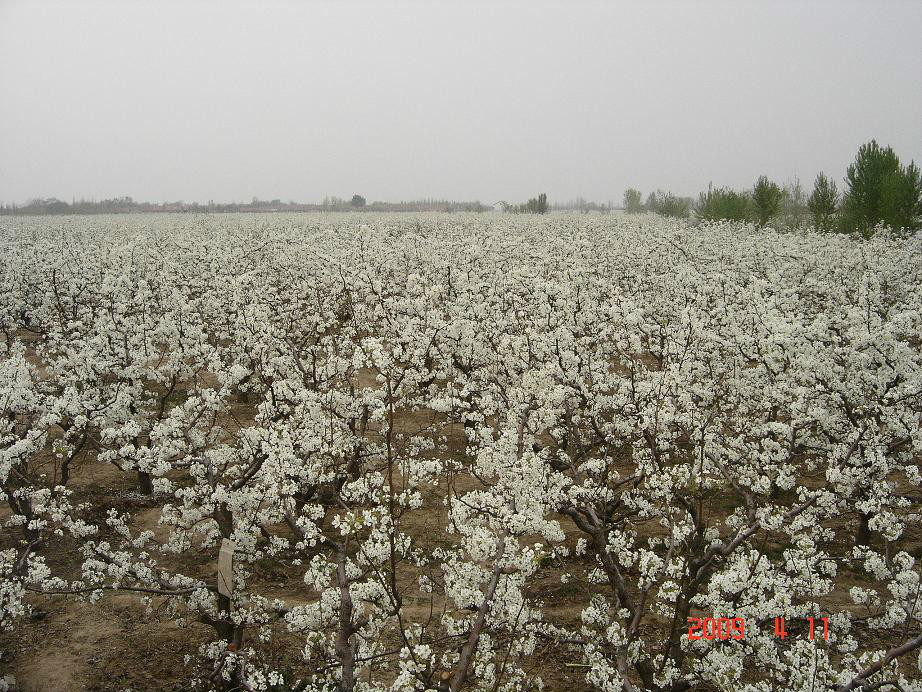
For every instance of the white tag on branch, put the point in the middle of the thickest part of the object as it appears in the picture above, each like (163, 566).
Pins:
(226, 568)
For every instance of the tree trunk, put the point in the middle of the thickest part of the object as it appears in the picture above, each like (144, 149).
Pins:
(345, 648)
(145, 483)
(864, 530)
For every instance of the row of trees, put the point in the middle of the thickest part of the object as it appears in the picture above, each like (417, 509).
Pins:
(581, 204)
(766, 202)
(127, 205)
(659, 202)
(878, 190)
(450, 454)
(536, 205)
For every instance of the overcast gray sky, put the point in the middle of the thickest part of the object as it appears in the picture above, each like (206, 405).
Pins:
(226, 100)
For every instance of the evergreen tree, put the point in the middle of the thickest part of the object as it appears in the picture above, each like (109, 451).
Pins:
(823, 202)
(766, 200)
(901, 198)
(879, 190)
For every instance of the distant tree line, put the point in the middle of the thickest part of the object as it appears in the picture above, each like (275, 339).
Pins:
(878, 191)
(358, 202)
(536, 205)
(582, 205)
(659, 202)
(766, 201)
(127, 205)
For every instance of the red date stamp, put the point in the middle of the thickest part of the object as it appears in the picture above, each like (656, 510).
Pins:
(735, 628)
(716, 628)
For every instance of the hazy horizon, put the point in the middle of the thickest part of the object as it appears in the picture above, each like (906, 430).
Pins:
(406, 100)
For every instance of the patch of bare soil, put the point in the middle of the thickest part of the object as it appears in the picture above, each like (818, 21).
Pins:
(110, 645)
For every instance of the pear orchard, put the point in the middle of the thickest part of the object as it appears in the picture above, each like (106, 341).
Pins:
(467, 452)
